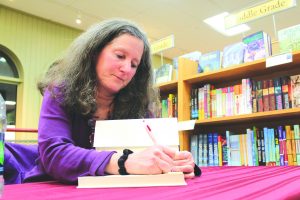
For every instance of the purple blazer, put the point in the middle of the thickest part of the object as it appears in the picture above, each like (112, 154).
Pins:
(63, 153)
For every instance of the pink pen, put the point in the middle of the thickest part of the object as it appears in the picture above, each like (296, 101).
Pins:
(149, 131)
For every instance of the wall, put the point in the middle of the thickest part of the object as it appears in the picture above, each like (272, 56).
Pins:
(36, 43)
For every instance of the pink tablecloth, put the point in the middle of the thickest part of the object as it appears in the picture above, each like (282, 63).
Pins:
(215, 183)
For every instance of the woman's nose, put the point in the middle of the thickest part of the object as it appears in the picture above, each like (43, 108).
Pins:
(125, 66)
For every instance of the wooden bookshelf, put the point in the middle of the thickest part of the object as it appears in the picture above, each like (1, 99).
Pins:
(254, 117)
(168, 86)
(189, 78)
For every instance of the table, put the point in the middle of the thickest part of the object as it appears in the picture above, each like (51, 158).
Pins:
(215, 183)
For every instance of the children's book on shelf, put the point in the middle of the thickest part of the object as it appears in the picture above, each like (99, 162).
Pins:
(210, 61)
(194, 56)
(258, 46)
(295, 90)
(233, 54)
(289, 39)
(163, 74)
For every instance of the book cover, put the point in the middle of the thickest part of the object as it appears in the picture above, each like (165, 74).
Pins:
(295, 90)
(210, 61)
(233, 54)
(114, 181)
(289, 39)
(163, 74)
(235, 152)
(257, 46)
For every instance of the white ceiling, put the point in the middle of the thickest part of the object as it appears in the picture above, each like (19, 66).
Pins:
(160, 18)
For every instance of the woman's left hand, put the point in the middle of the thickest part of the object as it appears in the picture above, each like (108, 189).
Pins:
(184, 162)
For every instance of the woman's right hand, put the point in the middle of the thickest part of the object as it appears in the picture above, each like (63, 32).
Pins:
(153, 160)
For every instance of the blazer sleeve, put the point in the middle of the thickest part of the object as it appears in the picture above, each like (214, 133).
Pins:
(60, 158)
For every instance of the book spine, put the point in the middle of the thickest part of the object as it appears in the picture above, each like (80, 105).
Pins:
(277, 151)
(289, 145)
(215, 150)
(200, 150)
(259, 96)
(263, 148)
(205, 150)
(194, 148)
(278, 94)
(259, 146)
(297, 142)
(281, 148)
(285, 92)
(210, 149)
(253, 96)
(272, 103)
(266, 95)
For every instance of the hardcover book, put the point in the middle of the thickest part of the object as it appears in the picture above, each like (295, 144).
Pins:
(163, 74)
(233, 54)
(257, 46)
(289, 39)
(210, 61)
(113, 181)
(295, 90)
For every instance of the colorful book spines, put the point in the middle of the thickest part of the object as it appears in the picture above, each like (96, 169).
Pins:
(278, 94)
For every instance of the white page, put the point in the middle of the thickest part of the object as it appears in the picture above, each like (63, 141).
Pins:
(133, 133)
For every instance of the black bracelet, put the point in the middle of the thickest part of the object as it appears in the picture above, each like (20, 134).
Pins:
(121, 161)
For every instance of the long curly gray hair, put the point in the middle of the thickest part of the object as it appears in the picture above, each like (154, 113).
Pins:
(75, 74)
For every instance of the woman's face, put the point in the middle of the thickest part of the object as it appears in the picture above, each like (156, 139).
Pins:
(117, 63)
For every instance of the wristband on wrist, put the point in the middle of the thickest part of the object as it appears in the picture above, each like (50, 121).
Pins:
(121, 161)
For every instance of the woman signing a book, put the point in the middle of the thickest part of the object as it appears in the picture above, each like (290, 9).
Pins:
(105, 75)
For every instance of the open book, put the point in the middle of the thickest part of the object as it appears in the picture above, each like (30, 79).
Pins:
(132, 134)
(112, 181)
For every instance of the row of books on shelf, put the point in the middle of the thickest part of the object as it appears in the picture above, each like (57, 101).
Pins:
(257, 147)
(252, 47)
(250, 96)
(169, 106)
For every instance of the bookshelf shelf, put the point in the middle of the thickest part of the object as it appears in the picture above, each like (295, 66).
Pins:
(168, 86)
(239, 71)
(254, 117)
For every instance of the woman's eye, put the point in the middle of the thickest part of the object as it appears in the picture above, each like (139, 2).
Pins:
(133, 65)
(120, 56)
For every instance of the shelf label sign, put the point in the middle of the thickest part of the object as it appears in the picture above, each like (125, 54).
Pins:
(255, 12)
(162, 44)
(279, 59)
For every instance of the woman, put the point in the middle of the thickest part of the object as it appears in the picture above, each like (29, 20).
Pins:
(106, 74)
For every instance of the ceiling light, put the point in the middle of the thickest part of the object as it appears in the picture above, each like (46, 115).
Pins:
(2, 59)
(217, 23)
(78, 20)
(10, 103)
